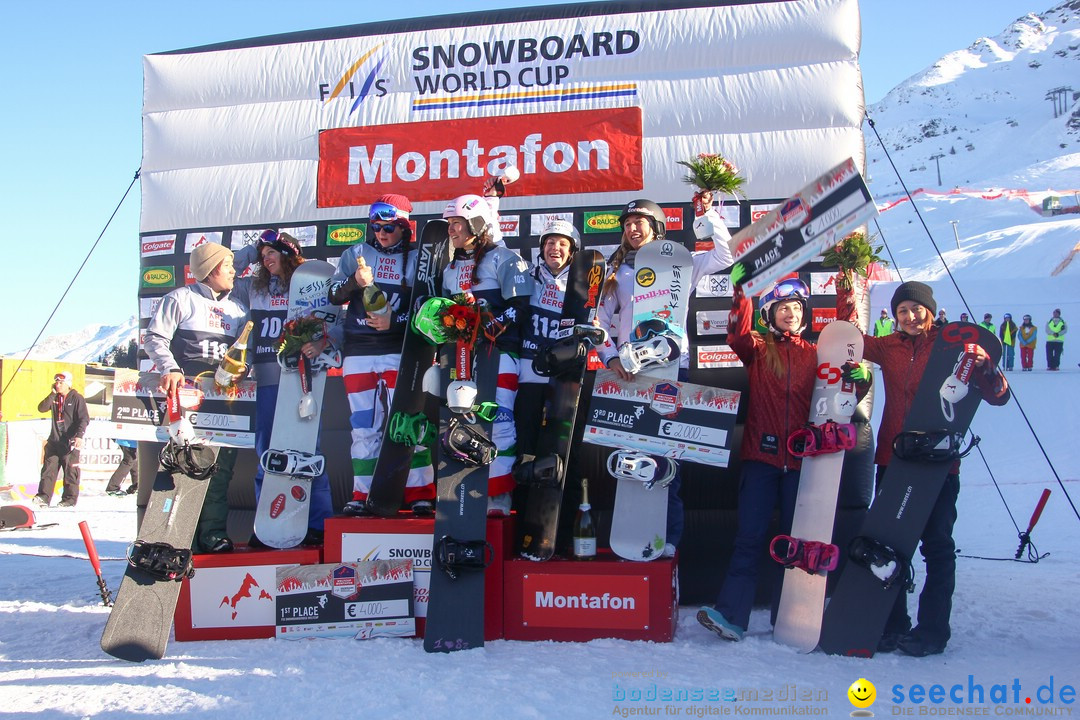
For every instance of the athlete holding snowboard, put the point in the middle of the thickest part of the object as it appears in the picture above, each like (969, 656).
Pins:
(379, 271)
(497, 276)
(643, 221)
(266, 294)
(903, 357)
(781, 366)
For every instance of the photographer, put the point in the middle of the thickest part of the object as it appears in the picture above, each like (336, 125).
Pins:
(69, 420)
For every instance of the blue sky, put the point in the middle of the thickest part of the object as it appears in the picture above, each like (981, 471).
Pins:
(71, 129)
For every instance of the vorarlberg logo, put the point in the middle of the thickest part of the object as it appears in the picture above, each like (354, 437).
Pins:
(360, 74)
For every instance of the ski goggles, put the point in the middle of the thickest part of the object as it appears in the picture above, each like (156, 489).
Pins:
(281, 242)
(789, 289)
(647, 329)
(386, 211)
(386, 227)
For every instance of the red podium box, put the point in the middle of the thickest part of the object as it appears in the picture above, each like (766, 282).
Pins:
(577, 601)
(231, 596)
(373, 538)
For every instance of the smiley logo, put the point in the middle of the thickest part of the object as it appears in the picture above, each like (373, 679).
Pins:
(862, 693)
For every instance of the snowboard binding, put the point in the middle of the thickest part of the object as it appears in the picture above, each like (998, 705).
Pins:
(828, 437)
(932, 447)
(411, 430)
(816, 558)
(886, 564)
(656, 351)
(290, 462)
(653, 472)
(546, 471)
(567, 355)
(468, 444)
(161, 560)
(197, 461)
(454, 556)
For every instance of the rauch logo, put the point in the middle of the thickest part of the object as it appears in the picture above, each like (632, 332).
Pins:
(161, 276)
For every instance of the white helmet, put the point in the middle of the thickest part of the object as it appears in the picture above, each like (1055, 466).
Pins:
(564, 228)
(471, 207)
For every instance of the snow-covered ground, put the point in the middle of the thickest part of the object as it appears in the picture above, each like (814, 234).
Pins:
(1012, 622)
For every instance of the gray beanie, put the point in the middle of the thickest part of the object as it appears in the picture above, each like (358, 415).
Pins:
(206, 257)
(916, 291)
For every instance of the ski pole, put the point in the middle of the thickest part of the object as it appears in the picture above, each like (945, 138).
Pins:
(91, 550)
(1025, 537)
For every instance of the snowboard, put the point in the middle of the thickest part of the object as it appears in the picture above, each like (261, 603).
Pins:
(20, 517)
(663, 270)
(798, 229)
(860, 604)
(802, 596)
(292, 461)
(455, 616)
(142, 615)
(391, 473)
(538, 523)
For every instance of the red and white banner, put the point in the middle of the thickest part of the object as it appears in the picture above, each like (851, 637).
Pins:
(585, 151)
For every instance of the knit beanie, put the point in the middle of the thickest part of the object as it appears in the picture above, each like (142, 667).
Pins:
(916, 291)
(206, 257)
(404, 207)
(400, 214)
(284, 243)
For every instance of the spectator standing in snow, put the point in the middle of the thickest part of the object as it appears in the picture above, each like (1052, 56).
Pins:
(1056, 328)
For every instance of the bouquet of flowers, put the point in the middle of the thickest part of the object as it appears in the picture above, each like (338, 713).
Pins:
(712, 172)
(298, 332)
(852, 254)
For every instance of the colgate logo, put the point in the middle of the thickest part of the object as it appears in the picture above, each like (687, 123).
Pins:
(278, 506)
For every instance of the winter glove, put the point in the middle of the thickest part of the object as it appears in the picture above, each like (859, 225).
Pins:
(738, 274)
(708, 225)
(856, 372)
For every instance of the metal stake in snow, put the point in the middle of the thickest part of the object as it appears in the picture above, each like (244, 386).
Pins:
(91, 550)
(1025, 536)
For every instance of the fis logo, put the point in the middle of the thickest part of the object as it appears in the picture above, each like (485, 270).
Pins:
(359, 82)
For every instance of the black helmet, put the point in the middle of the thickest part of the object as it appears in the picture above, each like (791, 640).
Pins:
(650, 210)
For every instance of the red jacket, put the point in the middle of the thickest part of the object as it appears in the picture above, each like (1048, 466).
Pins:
(778, 404)
(903, 359)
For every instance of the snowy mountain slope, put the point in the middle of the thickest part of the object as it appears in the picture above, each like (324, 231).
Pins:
(85, 345)
(985, 110)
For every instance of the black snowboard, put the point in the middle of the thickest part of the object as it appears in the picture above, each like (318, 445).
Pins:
(140, 620)
(391, 472)
(455, 618)
(539, 521)
(856, 615)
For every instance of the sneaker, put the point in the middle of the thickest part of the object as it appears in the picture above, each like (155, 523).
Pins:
(422, 508)
(133, 489)
(65, 504)
(314, 538)
(356, 508)
(714, 620)
(41, 501)
(116, 493)
(499, 505)
(669, 550)
(915, 645)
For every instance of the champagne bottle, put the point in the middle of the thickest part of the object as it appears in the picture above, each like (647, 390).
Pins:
(235, 360)
(584, 530)
(375, 301)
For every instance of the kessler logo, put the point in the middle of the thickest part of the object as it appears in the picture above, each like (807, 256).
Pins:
(556, 153)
